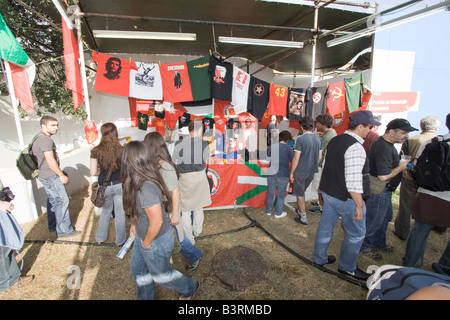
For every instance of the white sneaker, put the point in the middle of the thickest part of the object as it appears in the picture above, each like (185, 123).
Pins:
(269, 213)
(282, 215)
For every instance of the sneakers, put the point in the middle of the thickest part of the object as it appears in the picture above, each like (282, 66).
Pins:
(269, 213)
(330, 260)
(315, 210)
(193, 265)
(282, 215)
(357, 274)
(439, 268)
(301, 218)
(74, 233)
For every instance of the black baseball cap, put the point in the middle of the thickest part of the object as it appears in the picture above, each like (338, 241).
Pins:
(401, 124)
(364, 117)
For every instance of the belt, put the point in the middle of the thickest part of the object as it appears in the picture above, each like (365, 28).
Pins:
(111, 183)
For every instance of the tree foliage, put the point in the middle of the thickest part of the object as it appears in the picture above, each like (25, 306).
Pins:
(41, 38)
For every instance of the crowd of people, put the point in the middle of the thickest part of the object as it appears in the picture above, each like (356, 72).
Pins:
(354, 175)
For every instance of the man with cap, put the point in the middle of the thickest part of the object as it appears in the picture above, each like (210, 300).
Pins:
(385, 164)
(345, 186)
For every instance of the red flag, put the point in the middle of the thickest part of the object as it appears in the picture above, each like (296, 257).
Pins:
(22, 87)
(71, 56)
(336, 100)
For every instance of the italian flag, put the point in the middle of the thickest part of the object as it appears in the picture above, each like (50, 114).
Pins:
(23, 70)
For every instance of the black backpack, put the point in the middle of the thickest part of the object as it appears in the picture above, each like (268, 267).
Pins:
(432, 169)
(27, 163)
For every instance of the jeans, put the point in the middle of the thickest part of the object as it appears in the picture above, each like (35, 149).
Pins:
(417, 242)
(274, 183)
(113, 201)
(9, 270)
(57, 206)
(334, 208)
(152, 264)
(379, 213)
(188, 250)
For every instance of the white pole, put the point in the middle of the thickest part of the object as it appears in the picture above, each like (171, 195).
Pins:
(26, 184)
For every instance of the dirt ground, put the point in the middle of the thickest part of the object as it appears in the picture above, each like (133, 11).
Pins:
(285, 248)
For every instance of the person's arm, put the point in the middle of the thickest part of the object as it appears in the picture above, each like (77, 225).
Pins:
(402, 166)
(359, 209)
(154, 214)
(294, 164)
(175, 218)
(93, 167)
(54, 166)
(6, 206)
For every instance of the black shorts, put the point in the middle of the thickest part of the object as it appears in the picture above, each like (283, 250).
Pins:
(301, 183)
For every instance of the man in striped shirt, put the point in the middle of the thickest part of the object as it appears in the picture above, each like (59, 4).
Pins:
(344, 186)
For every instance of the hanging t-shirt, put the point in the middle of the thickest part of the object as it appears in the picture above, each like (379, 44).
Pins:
(336, 98)
(113, 74)
(142, 120)
(354, 91)
(241, 82)
(316, 101)
(258, 97)
(175, 81)
(200, 80)
(278, 100)
(171, 116)
(184, 120)
(296, 104)
(221, 74)
(145, 82)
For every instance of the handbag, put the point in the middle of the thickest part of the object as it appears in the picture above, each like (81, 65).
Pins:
(98, 191)
(376, 185)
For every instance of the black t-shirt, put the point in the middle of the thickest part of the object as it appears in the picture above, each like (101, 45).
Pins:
(383, 157)
(190, 154)
(221, 73)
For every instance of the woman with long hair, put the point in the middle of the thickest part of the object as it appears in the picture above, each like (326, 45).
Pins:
(108, 155)
(146, 199)
(158, 149)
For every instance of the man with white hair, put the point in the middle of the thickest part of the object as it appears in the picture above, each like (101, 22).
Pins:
(408, 189)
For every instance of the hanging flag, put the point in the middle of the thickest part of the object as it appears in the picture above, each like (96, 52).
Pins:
(336, 98)
(113, 74)
(71, 57)
(252, 185)
(23, 70)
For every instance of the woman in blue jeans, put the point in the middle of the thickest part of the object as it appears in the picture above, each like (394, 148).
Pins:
(108, 155)
(158, 149)
(147, 200)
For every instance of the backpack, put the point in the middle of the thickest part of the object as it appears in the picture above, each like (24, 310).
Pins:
(432, 169)
(27, 163)
(397, 283)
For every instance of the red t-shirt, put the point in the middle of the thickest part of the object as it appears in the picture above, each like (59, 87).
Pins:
(278, 100)
(113, 74)
(176, 82)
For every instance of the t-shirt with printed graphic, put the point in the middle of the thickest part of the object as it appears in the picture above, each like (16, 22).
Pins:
(316, 101)
(354, 92)
(239, 98)
(145, 82)
(184, 120)
(175, 81)
(221, 73)
(296, 104)
(278, 100)
(113, 74)
(200, 80)
(142, 120)
(258, 97)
